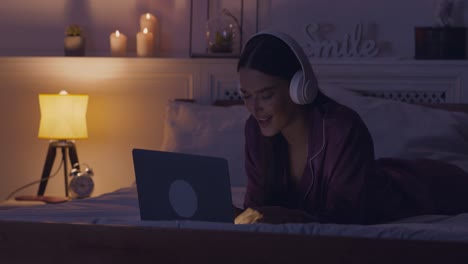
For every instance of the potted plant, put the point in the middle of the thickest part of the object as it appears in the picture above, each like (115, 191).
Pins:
(222, 31)
(223, 41)
(74, 42)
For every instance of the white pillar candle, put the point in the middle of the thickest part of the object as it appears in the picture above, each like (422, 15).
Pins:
(118, 44)
(145, 43)
(148, 21)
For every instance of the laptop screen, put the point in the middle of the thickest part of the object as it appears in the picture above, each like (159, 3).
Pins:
(179, 186)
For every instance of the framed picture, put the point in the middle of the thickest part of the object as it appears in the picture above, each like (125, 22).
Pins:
(218, 28)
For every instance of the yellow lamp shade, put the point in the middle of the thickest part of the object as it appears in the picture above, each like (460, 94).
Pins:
(63, 116)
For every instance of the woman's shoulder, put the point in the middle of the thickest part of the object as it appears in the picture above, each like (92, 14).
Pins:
(340, 120)
(337, 113)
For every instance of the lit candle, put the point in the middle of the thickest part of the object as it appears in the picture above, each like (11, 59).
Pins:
(118, 44)
(145, 43)
(148, 21)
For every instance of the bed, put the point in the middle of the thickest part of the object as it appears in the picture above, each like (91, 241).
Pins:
(107, 228)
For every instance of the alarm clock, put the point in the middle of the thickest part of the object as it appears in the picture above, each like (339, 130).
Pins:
(81, 183)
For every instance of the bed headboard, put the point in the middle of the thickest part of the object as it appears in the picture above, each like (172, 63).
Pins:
(462, 108)
(424, 82)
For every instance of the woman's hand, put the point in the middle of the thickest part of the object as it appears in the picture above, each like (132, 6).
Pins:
(273, 215)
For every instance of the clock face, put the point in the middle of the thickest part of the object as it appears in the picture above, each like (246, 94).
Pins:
(81, 186)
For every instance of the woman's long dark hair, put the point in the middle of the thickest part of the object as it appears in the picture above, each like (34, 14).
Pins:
(271, 55)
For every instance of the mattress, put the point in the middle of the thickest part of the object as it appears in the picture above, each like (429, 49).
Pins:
(121, 208)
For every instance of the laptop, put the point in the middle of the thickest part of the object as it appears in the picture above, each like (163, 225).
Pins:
(178, 186)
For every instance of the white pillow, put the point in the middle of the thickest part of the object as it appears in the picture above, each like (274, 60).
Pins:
(208, 130)
(409, 131)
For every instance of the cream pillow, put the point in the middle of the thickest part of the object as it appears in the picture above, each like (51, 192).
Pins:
(409, 131)
(208, 130)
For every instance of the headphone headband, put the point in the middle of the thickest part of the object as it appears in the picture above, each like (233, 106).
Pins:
(295, 47)
(309, 78)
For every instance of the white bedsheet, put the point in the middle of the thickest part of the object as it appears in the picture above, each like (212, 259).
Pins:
(121, 208)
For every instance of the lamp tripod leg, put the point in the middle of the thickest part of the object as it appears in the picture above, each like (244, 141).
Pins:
(49, 162)
(68, 151)
(73, 154)
(65, 169)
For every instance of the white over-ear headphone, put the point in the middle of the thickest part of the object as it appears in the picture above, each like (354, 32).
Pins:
(303, 87)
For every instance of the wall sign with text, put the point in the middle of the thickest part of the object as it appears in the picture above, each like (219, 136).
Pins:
(353, 45)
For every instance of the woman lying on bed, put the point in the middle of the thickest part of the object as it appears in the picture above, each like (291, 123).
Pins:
(312, 159)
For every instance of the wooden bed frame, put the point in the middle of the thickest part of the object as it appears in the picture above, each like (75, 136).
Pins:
(34, 242)
(29, 242)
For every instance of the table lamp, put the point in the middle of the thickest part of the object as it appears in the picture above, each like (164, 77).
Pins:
(63, 119)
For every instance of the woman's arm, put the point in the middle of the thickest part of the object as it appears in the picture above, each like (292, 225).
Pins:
(273, 215)
(257, 210)
(349, 173)
(348, 181)
(255, 192)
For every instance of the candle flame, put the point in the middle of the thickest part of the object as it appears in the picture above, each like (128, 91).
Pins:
(145, 31)
(117, 33)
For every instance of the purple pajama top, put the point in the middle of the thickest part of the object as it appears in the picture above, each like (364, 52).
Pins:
(342, 181)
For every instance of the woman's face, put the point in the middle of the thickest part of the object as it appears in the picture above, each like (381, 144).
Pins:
(267, 99)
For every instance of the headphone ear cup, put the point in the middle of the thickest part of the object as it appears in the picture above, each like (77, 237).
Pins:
(302, 92)
(310, 91)
(296, 88)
